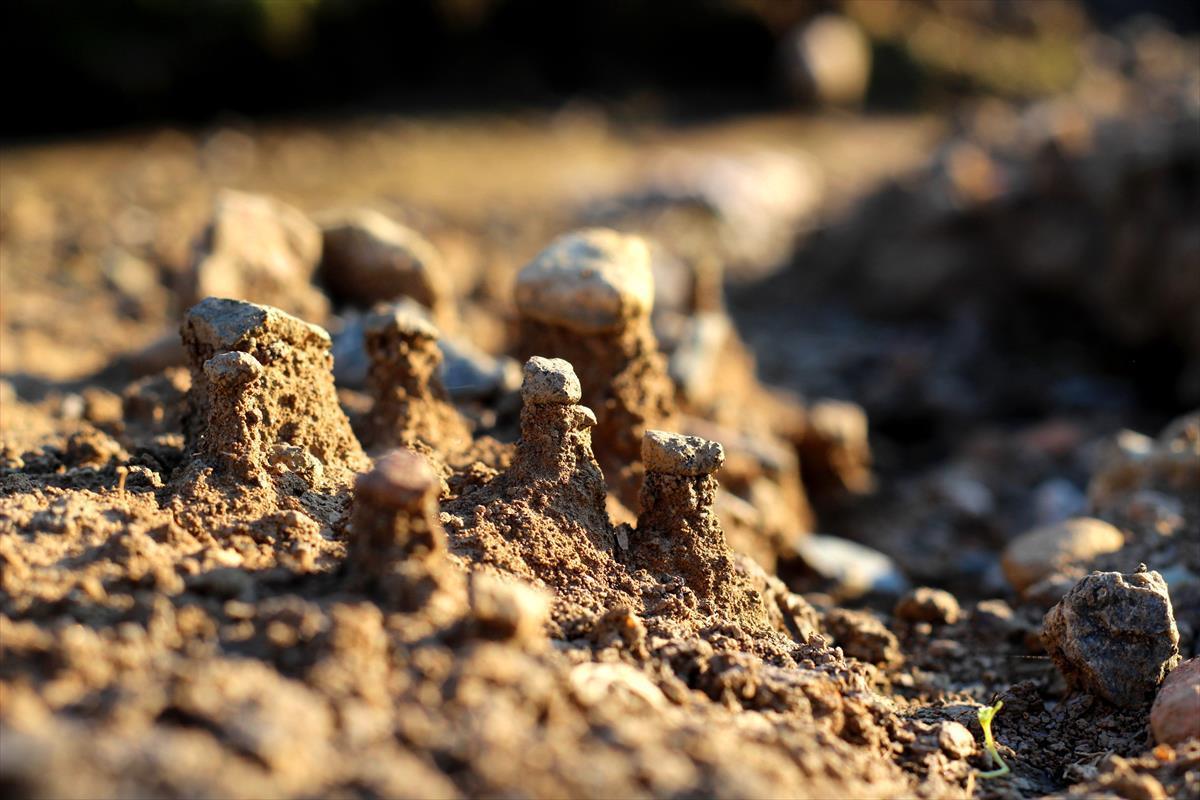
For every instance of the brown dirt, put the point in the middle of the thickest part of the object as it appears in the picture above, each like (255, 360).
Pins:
(212, 586)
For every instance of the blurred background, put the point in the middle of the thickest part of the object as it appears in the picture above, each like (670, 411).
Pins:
(974, 224)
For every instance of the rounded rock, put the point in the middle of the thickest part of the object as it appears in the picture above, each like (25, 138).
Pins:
(368, 257)
(402, 479)
(1175, 715)
(232, 368)
(591, 281)
(1038, 554)
(928, 605)
(550, 381)
(956, 740)
(676, 454)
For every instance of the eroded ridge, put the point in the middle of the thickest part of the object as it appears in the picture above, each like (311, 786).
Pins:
(262, 395)
(587, 298)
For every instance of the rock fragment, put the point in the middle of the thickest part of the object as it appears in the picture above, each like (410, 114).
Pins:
(507, 609)
(1047, 551)
(828, 60)
(685, 456)
(261, 378)
(260, 250)
(587, 298)
(929, 605)
(850, 569)
(550, 380)
(1175, 715)
(411, 405)
(1114, 635)
(368, 258)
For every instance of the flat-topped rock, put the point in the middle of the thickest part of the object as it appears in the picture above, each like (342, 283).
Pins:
(591, 281)
(218, 324)
(676, 454)
(402, 479)
(403, 319)
(550, 381)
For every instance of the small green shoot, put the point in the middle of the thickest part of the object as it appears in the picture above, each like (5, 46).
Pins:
(989, 744)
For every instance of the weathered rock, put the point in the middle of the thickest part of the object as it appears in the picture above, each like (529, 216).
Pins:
(261, 378)
(368, 258)
(673, 454)
(1043, 552)
(1175, 715)
(928, 605)
(592, 281)
(261, 250)
(1114, 635)
(550, 380)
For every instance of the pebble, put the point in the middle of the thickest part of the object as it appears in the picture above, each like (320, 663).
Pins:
(550, 381)
(232, 367)
(1043, 552)
(508, 609)
(368, 258)
(591, 281)
(853, 569)
(1175, 715)
(1114, 635)
(955, 740)
(221, 324)
(928, 605)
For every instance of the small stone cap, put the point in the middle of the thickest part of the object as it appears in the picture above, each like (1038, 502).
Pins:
(550, 381)
(402, 479)
(676, 454)
(222, 324)
(232, 368)
(591, 281)
(404, 318)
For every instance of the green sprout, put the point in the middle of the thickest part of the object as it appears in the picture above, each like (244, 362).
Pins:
(989, 744)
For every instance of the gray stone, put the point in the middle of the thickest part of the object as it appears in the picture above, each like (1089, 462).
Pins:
(676, 454)
(550, 381)
(591, 281)
(852, 569)
(1114, 635)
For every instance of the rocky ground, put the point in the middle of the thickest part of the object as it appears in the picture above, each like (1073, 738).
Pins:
(552, 456)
